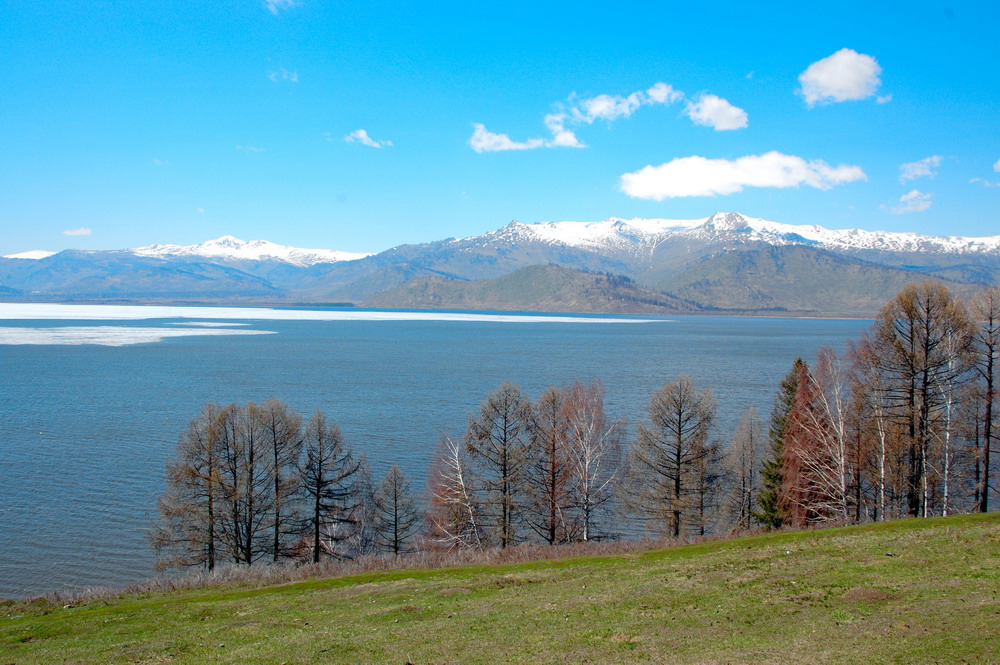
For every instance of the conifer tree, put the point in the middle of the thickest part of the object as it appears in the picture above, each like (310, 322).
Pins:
(397, 520)
(769, 498)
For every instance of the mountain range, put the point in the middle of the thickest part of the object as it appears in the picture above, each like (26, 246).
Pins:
(725, 262)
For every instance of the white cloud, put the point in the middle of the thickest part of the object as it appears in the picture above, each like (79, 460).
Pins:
(840, 77)
(923, 168)
(274, 6)
(996, 166)
(483, 140)
(716, 112)
(914, 201)
(282, 74)
(883, 99)
(82, 231)
(361, 136)
(663, 93)
(612, 107)
(250, 148)
(699, 176)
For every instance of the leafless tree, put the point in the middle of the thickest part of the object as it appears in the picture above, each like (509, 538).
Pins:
(498, 442)
(453, 516)
(913, 340)
(742, 464)
(327, 474)
(550, 474)
(245, 481)
(282, 430)
(187, 533)
(397, 520)
(664, 465)
(985, 311)
(594, 447)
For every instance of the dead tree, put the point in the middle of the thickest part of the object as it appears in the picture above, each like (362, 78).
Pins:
(397, 520)
(498, 442)
(664, 465)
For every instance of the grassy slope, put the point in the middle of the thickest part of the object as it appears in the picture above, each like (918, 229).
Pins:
(535, 288)
(794, 278)
(831, 596)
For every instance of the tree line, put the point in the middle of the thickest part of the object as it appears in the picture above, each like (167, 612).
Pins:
(902, 424)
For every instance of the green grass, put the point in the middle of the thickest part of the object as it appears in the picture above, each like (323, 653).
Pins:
(830, 596)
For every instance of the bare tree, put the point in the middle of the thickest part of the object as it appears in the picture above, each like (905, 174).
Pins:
(498, 441)
(187, 533)
(397, 520)
(910, 340)
(872, 406)
(282, 430)
(550, 473)
(362, 514)
(985, 311)
(327, 475)
(453, 516)
(594, 447)
(664, 465)
(742, 464)
(245, 480)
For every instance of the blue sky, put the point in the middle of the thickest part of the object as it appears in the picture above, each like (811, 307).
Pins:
(132, 123)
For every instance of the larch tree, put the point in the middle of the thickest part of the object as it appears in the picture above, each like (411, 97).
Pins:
(985, 312)
(282, 430)
(549, 475)
(915, 339)
(397, 520)
(741, 466)
(326, 475)
(187, 533)
(665, 462)
(499, 445)
(245, 480)
(362, 515)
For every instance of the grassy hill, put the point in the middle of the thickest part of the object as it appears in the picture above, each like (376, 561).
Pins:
(546, 288)
(913, 591)
(792, 278)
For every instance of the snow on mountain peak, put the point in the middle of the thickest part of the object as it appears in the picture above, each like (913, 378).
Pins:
(32, 254)
(641, 236)
(232, 248)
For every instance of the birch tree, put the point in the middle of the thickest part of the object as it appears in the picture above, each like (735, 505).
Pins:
(594, 446)
(453, 516)
(911, 348)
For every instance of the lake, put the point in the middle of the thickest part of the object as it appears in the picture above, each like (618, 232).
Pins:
(92, 398)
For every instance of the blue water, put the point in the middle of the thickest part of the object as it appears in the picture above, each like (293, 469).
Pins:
(85, 431)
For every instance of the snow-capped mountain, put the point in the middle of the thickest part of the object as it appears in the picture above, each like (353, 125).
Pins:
(233, 249)
(643, 236)
(726, 261)
(32, 255)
